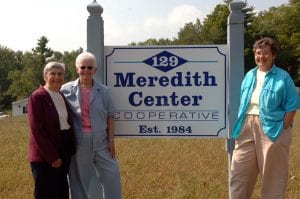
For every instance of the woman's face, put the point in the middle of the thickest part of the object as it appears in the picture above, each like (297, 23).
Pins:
(54, 79)
(264, 58)
(86, 70)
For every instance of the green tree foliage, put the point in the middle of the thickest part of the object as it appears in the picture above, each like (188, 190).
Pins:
(28, 77)
(152, 42)
(23, 80)
(214, 30)
(248, 36)
(69, 61)
(283, 24)
(190, 34)
(9, 60)
(21, 86)
(40, 54)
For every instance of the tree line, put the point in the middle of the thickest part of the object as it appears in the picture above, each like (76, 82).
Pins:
(21, 72)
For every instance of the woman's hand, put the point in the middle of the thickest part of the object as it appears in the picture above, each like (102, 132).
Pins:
(111, 148)
(57, 163)
(288, 119)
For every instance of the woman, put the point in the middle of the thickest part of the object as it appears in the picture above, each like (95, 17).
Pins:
(51, 138)
(94, 129)
(262, 133)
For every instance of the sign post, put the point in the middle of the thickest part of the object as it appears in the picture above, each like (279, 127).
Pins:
(235, 41)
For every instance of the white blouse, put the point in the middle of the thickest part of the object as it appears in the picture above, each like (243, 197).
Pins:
(61, 109)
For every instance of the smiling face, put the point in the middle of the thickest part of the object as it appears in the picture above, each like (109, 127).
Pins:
(264, 58)
(54, 78)
(265, 51)
(86, 70)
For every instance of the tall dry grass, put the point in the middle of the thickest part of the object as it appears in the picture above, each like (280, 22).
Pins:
(150, 168)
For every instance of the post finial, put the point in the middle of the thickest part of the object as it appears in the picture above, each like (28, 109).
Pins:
(237, 5)
(94, 8)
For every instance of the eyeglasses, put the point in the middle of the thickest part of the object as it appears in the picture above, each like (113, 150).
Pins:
(86, 67)
(263, 53)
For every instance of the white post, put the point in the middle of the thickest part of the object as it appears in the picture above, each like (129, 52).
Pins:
(235, 42)
(95, 45)
(95, 37)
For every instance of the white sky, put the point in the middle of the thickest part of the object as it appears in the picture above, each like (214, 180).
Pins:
(63, 22)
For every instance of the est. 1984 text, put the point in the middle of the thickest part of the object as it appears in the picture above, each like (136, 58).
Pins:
(145, 129)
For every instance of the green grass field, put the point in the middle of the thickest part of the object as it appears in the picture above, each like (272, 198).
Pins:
(150, 168)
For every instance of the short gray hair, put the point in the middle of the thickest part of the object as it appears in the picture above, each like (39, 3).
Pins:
(84, 56)
(52, 65)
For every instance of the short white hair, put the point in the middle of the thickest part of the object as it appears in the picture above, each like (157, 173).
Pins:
(85, 56)
(52, 65)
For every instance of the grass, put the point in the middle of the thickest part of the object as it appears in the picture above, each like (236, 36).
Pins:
(150, 168)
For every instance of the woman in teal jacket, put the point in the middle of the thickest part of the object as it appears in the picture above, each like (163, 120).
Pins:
(262, 132)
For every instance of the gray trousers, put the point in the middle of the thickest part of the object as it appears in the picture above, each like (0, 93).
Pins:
(92, 157)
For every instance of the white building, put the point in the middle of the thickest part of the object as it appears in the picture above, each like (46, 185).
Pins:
(19, 107)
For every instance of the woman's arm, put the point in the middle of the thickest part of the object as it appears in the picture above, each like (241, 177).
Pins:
(288, 119)
(111, 135)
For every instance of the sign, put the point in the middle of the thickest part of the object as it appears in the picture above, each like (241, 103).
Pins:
(168, 91)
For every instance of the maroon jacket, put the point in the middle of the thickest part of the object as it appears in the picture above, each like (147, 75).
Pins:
(45, 142)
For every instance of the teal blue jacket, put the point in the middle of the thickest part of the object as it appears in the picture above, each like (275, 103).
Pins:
(278, 96)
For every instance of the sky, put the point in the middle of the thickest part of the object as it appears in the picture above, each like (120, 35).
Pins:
(63, 22)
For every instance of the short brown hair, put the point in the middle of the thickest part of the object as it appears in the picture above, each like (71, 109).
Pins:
(266, 41)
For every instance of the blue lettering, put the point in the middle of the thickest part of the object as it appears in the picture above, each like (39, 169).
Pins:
(178, 80)
(137, 99)
(124, 82)
(208, 77)
(131, 98)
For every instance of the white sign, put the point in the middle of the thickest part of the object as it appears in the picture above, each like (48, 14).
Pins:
(168, 91)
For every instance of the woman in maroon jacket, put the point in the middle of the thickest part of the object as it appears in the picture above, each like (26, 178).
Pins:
(51, 138)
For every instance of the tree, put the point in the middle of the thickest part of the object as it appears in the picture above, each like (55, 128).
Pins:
(23, 80)
(22, 86)
(152, 42)
(28, 77)
(40, 54)
(8, 61)
(190, 34)
(214, 30)
(283, 24)
(69, 60)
